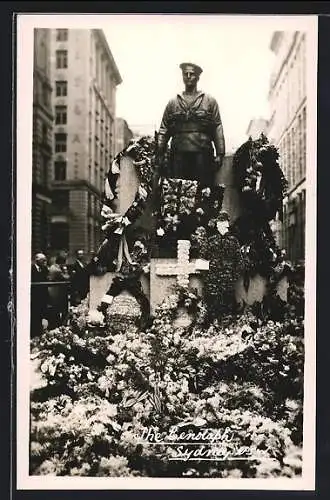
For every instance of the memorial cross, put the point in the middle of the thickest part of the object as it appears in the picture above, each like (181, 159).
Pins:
(182, 268)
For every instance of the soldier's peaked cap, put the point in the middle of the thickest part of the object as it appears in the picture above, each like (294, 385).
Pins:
(197, 68)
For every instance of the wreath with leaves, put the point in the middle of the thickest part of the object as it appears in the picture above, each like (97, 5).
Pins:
(259, 178)
(262, 187)
(117, 227)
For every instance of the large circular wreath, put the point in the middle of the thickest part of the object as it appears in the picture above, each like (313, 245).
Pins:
(261, 186)
(259, 178)
(115, 226)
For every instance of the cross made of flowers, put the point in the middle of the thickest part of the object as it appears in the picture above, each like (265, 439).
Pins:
(183, 267)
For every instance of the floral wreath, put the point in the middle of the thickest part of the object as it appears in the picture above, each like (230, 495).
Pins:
(262, 187)
(259, 178)
(115, 225)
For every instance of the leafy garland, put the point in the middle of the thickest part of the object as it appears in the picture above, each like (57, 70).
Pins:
(226, 265)
(115, 227)
(259, 178)
(262, 187)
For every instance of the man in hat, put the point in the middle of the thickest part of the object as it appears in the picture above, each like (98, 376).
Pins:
(192, 120)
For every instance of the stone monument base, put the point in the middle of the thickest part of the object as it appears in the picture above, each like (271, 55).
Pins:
(160, 286)
(99, 285)
(257, 290)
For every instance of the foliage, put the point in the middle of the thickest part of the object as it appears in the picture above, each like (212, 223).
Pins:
(117, 227)
(261, 186)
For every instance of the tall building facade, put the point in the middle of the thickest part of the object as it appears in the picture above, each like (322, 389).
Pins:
(84, 77)
(41, 142)
(287, 130)
(123, 134)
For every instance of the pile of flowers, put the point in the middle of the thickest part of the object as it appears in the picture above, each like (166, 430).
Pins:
(105, 392)
(185, 206)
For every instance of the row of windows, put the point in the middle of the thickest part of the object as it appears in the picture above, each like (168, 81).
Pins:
(293, 228)
(60, 173)
(293, 151)
(61, 142)
(41, 172)
(42, 92)
(100, 69)
(291, 90)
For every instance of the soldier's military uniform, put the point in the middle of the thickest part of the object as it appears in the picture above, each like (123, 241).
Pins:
(194, 124)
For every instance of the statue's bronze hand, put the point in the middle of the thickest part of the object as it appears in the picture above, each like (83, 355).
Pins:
(218, 161)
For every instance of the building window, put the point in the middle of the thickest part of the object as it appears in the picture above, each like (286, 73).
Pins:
(62, 35)
(61, 59)
(61, 88)
(60, 171)
(60, 143)
(60, 115)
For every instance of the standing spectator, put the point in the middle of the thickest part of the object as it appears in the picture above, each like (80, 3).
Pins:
(39, 294)
(79, 279)
(58, 294)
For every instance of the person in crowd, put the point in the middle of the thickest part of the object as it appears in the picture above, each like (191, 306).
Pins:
(39, 294)
(58, 294)
(79, 279)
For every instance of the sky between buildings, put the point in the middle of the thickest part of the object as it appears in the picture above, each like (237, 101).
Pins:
(233, 52)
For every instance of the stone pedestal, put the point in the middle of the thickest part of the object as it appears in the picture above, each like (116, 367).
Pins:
(231, 202)
(282, 289)
(255, 292)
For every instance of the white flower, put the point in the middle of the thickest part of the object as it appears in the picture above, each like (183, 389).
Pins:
(97, 429)
(160, 231)
(110, 358)
(95, 317)
(146, 269)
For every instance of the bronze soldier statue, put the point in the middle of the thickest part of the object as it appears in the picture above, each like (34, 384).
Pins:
(192, 120)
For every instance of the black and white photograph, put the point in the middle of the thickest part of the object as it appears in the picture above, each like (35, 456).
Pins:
(166, 251)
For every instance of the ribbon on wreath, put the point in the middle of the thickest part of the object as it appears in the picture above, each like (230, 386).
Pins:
(119, 222)
(123, 250)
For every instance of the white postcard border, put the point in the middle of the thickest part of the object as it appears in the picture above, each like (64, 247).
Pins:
(25, 25)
